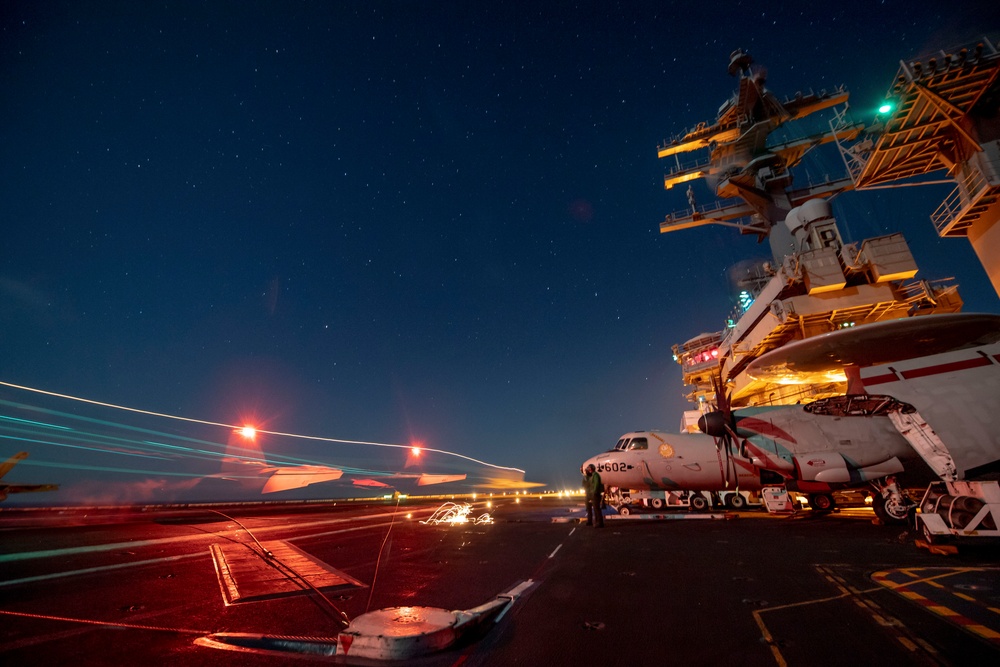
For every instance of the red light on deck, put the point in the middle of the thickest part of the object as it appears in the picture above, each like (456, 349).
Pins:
(248, 432)
(415, 451)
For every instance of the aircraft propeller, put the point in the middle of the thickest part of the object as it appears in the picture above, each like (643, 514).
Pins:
(720, 425)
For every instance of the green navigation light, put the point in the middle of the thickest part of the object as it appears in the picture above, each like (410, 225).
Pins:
(885, 108)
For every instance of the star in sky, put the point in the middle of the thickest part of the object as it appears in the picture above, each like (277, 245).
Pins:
(392, 222)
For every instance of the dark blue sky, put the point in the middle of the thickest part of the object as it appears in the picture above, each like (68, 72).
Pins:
(387, 221)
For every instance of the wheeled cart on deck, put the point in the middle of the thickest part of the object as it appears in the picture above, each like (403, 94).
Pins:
(960, 509)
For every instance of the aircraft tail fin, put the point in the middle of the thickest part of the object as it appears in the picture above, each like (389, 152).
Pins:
(6, 466)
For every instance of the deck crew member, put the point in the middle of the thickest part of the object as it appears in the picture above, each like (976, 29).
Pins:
(593, 488)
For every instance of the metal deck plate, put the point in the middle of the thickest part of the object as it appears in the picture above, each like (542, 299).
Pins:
(246, 574)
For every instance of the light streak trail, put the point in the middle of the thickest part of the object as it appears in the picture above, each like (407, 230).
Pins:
(131, 471)
(239, 427)
(33, 423)
(94, 438)
(110, 444)
(455, 513)
(103, 442)
(103, 450)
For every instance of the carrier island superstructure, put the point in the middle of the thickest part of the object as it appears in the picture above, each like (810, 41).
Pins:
(938, 115)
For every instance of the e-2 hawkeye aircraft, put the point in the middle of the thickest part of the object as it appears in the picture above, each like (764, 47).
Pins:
(935, 416)
(938, 419)
(658, 461)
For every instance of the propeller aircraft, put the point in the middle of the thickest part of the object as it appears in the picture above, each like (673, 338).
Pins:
(936, 416)
(657, 461)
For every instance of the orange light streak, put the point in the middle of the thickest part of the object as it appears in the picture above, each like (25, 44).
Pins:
(239, 428)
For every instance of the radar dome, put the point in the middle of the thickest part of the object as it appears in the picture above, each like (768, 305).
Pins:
(815, 210)
(794, 222)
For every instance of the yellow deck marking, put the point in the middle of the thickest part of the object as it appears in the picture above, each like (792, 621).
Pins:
(778, 658)
(905, 590)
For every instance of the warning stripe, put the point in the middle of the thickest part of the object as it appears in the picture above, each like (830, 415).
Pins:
(890, 624)
(886, 579)
(937, 369)
(965, 364)
(879, 379)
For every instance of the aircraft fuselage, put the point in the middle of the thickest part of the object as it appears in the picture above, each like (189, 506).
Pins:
(655, 460)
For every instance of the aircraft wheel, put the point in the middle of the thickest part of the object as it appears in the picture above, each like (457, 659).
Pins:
(891, 512)
(821, 502)
(624, 510)
(698, 503)
(656, 503)
(736, 502)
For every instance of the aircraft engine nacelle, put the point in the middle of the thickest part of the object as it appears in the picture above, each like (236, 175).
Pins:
(827, 467)
(831, 468)
(713, 424)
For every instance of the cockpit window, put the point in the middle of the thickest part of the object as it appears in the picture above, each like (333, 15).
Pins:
(621, 443)
(638, 443)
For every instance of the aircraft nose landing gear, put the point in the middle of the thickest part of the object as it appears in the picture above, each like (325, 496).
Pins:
(891, 504)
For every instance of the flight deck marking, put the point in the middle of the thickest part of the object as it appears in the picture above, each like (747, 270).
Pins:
(893, 625)
(108, 624)
(96, 548)
(767, 634)
(92, 570)
(974, 615)
(912, 643)
(138, 563)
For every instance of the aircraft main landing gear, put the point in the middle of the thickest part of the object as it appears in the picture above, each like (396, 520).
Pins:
(736, 502)
(821, 502)
(698, 502)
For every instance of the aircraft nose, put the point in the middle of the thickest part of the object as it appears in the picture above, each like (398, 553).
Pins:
(591, 461)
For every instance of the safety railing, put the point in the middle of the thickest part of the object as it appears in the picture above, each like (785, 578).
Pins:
(961, 198)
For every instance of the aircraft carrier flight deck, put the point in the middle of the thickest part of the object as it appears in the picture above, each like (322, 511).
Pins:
(262, 585)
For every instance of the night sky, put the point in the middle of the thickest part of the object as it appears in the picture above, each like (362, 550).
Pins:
(395, 222)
